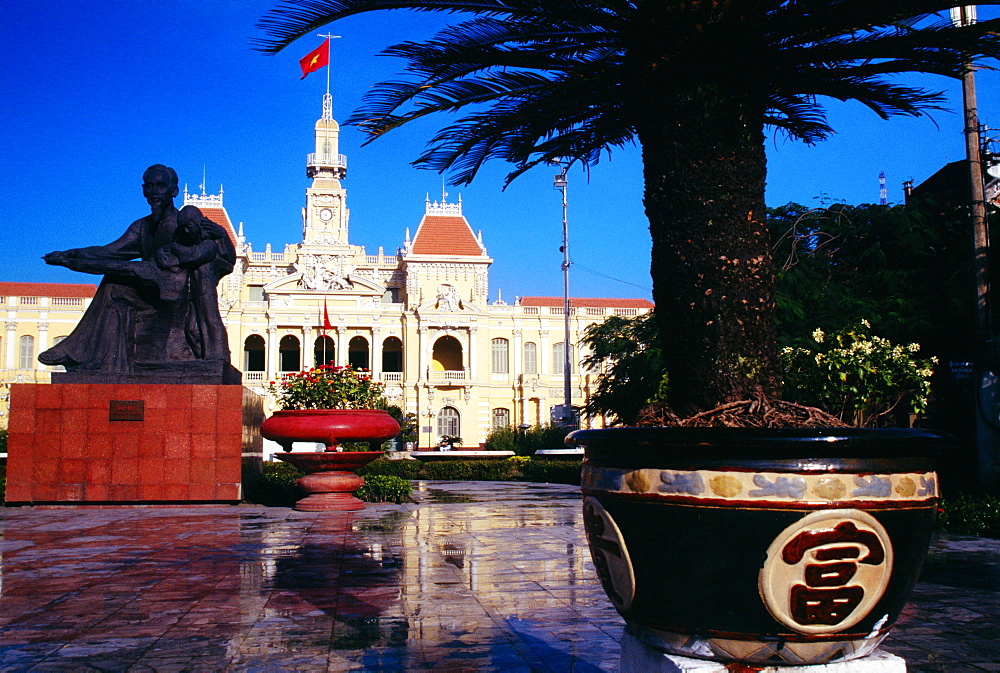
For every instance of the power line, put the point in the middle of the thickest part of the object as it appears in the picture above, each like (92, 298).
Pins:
(604, 275)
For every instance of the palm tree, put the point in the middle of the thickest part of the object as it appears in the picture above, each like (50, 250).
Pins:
(696, 82)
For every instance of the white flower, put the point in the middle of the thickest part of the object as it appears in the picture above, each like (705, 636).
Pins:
(818, 335)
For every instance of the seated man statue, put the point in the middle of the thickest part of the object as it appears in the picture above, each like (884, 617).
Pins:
(157, 303)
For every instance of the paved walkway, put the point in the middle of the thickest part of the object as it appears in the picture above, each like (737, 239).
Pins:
(475, 576)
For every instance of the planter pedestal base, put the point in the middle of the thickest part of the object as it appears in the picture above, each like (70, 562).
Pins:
(329, 479)
(330, 492)
(637, 657)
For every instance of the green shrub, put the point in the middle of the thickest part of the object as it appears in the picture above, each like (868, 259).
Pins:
(405, 469)
(515, 468)
(385, 488)
(518, 461)
(3, 440)
(526, 442)
(502, 439)
(470, 470)
(970, 515)
(276, 486)
(552, 471)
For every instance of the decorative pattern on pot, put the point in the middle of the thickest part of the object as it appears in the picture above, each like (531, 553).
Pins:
(773, 488)
(765, 547)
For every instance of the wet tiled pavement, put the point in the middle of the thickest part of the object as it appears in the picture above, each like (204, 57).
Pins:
(475, 576)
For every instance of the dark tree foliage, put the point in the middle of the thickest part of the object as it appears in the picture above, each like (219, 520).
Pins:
(905, 269)
(633, 373)
(696, 83)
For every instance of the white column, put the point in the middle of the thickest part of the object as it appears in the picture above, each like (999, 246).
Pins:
(375, 355)
(473, 354)
(272, 353)
(11, 345)
(544, 354)
(307, 355)
(341, 346)
(422, 346)
(43, 343)
(515, 359)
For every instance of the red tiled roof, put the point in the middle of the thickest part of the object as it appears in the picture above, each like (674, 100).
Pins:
(442, 235)
(221, 218)
(579, 302)
(46, 290)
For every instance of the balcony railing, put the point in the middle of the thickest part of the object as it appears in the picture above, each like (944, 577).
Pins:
(392, 377)
(447, 375)
(335, 160)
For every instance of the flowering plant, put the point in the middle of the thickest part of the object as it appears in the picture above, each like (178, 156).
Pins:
(328, 387)
(858, 376)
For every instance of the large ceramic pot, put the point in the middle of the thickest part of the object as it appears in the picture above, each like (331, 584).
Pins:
(329, 426)
(759, 546)
(330, 479)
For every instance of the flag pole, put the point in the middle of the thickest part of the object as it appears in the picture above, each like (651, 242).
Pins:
(329, 57)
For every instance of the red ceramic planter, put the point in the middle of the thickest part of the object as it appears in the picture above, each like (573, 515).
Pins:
(330, 477)
(329, 426)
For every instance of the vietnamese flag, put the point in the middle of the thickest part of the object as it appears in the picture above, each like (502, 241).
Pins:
(314, 60)
(326, 318)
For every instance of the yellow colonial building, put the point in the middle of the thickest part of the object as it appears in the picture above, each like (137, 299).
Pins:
(419, 319)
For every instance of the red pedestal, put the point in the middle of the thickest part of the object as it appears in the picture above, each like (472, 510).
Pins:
(93, 444)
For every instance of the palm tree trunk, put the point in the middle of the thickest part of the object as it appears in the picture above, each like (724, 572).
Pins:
(713, 282)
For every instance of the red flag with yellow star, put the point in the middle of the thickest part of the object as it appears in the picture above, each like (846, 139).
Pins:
(314, 60)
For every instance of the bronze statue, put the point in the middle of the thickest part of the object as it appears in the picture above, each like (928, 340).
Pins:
(157, 306)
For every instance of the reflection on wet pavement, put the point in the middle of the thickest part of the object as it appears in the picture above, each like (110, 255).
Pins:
(474, 576)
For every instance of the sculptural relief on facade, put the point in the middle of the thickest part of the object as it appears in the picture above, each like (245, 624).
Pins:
(324, 273)
(447, 297)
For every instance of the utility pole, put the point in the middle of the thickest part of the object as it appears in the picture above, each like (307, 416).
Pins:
(988, 383)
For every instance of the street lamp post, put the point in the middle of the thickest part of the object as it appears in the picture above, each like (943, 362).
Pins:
(560, 183)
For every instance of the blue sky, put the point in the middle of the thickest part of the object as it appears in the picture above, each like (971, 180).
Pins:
(91, 94)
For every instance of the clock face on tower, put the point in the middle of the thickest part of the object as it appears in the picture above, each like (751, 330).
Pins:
(326, 214)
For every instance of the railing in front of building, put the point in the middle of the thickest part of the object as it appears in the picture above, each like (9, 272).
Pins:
(253, 377)
(335, 160)
(267, 256)
(392, 377)
(67, 301)
(447, 375)
(382, 260)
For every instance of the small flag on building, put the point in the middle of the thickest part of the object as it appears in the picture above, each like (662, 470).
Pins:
(316, 59)
(326, 318)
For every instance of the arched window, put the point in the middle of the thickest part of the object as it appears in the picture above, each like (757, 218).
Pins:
(288, 354)
(499, 349)
(392, 355)
(391, 296)
(324, 352)
(27, 359)
(530, 358)
(501, 418)
(448, 422)
(357, 353)
(447, 355)
(254, 350)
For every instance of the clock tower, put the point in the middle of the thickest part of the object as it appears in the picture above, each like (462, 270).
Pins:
(325, 217)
